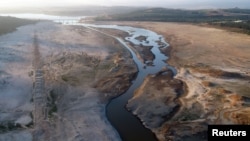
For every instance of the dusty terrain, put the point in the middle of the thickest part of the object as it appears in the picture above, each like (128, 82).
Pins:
(80, 70)
(57, 82)
(213, 65)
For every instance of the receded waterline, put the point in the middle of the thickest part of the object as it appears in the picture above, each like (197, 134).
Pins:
(128, 125)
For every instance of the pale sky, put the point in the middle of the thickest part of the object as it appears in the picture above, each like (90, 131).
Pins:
(151, 3)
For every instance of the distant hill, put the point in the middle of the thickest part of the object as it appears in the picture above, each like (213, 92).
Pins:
(90, 10)
(233, 18)
(179, 15)
(75, 10)
(9, 24)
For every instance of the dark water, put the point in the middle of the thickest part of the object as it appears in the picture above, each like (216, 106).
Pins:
(128, 125)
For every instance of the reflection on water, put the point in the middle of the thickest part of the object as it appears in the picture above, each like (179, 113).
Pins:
(152, 40)
(129, 126)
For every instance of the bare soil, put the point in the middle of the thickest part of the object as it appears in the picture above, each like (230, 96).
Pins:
(214, 66)
(83, 81)
(84, 69)
(80, 70)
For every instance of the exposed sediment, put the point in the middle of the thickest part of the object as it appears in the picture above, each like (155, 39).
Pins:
(216, 75)
(211, 85)
(156, 100)
(71, 75)
(79, 84)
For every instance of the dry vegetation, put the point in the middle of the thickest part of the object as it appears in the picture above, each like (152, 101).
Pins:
(83, 82)
(82, 69)
(214, 64)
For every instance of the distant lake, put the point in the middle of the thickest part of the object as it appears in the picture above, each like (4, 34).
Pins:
(43, 17)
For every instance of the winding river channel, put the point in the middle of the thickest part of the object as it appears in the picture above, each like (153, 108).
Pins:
(128, 125)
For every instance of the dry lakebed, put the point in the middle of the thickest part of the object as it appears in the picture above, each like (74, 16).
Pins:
(57, 82)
